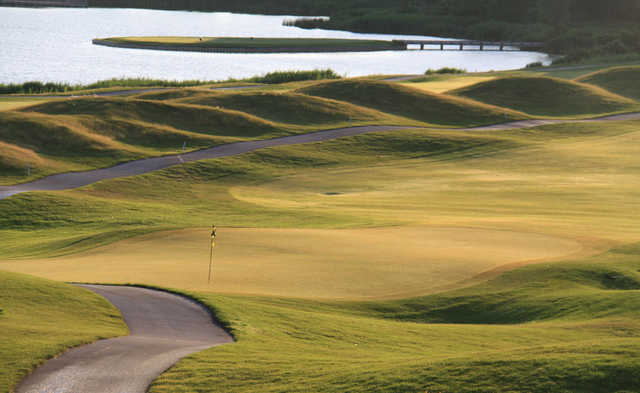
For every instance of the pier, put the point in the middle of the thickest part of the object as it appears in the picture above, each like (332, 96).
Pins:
(469, 45)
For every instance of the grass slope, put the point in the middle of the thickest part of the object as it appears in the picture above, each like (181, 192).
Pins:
(568, 327)
(41, 318)
(49, 145)
(185, 117)
(624, 81)
(88, 133)
(543, 96)
(400, 100)
(290, 107)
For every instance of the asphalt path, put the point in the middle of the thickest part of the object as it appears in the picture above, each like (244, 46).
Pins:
(72, 180)
(163, 329)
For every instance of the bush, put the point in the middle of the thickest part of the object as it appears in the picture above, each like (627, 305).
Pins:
(445, 70)
(535, 64)
(306, 23)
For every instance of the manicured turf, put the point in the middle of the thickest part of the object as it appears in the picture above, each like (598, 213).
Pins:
(542, 96)
(445, 83)
(41, 318)
(17, 103)
(346, 263)
(620, 80)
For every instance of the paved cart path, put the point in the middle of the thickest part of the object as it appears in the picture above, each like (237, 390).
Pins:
(164, 328)
(71, 180)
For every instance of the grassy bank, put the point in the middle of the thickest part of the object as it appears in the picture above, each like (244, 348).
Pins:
(40, 319)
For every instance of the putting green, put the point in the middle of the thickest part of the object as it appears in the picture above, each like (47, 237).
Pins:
(349, 263)
(444, 85)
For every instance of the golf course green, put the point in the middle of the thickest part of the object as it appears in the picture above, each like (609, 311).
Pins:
(431, 258)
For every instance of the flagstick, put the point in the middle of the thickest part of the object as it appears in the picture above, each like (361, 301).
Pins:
(210, 262)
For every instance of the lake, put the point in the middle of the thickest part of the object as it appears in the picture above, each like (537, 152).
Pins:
(54, 44)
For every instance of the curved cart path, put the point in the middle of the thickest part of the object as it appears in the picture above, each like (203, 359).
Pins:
(164, 328)
(71, 180)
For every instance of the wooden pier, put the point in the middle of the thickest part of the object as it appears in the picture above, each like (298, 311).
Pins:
(469, 45)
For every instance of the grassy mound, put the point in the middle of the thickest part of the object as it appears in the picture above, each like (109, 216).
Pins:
(165, 95)
(41, 318)
(544, 96)
(51, 144)
(48, 145)
(183, 117)
(411, 103)
(620, 80)
(288, 107)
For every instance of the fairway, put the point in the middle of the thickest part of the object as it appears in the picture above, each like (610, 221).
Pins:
(7, 104)
(355, 264)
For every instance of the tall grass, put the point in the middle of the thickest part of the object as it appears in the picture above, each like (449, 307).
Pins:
(36, 87)
(294, 76)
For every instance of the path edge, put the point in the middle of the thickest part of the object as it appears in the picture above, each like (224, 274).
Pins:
(213, 312)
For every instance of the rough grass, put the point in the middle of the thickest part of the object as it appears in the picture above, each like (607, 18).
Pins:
(624, 81)
(185, 117)
(290, 107)
(441, 110)
(543, 96)
(41, 318)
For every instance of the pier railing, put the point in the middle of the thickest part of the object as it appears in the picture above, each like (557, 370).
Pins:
(469, 45)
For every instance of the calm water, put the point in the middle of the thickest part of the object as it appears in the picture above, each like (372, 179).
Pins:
(54, 44)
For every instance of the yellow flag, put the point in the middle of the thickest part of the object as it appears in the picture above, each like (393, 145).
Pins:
(213, 236)
(213, 243)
